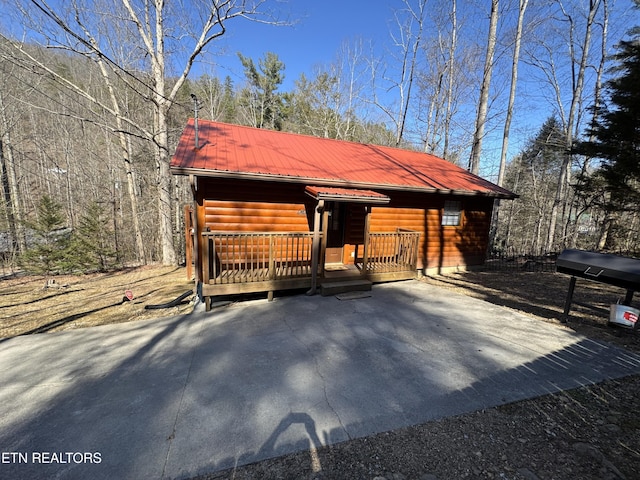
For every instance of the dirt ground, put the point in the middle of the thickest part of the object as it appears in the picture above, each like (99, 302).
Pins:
(587, 433)
(38, 305)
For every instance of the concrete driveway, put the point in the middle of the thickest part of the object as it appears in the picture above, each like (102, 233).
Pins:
(182, 396)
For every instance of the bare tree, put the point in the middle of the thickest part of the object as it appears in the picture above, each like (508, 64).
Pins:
(483, 103)
(453, 45)
(578, 78)
(326, 104)
(522, 7)
(411, 44)
(597, 102)
(512, 91)
(444, 82)
(348, 69)
(9, 178)
(401, 76)
(153, 25)
(124, 143)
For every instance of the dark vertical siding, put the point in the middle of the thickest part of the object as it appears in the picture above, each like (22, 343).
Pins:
(354, 224)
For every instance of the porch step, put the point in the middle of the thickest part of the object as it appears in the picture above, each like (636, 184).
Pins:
(333, 288)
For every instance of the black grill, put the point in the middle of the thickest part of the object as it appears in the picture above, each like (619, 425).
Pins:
(623, 272)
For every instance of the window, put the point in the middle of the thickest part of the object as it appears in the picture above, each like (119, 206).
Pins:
(451, 213)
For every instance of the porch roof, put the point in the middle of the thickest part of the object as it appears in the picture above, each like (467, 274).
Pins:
(234, 151)
(346, 195)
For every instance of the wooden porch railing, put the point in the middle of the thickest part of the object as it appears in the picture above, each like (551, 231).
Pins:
(273, 258)
(244, 257)
(391, 252)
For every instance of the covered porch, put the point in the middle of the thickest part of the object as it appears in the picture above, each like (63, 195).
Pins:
(338, 249)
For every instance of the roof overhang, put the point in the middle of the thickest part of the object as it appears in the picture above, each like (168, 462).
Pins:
(346, 195)
(335, 182)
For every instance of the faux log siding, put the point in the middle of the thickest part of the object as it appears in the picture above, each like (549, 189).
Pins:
(254, 217)
(244, 206)
(269, 207)
(439, 246)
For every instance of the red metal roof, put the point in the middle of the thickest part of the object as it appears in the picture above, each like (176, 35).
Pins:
(239, 151)
(348, 194)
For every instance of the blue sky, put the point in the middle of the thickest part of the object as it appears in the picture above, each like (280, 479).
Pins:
(320, 29)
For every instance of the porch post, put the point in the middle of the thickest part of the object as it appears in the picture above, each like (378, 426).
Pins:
(365, 253)
(315, 247)
(323, 240)
(198, 218)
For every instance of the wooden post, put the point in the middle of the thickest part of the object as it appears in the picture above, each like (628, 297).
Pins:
(199, 239)
(188, 239)
(315, 247)
(272, 265)
(365, 248)
(272, 260)
(205, 259)
(325, 234)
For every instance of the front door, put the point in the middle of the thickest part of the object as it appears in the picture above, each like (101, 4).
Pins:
(335, 233)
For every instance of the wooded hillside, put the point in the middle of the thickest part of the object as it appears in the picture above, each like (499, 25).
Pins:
(94, 95)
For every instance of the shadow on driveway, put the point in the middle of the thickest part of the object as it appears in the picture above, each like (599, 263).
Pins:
(178, 397)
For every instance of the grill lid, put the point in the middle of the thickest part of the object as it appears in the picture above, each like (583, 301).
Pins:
(615, 270)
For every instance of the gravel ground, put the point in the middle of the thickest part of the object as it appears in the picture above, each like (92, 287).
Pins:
(587, 433)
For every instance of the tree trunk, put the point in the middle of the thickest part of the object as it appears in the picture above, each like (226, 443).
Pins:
(605, 228)
(507, 122)
(162, 104)
(481, 119)
(451, 67)
(125, 145)
(10, 183)
(512, 91)
(164, 191)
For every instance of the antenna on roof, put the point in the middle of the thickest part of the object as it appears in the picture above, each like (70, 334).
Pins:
(195, 116)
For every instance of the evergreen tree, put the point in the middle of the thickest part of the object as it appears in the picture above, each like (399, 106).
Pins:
(262, 99)
(533, 174)
(91, 248)
(546, 150)
(50, 240)
(614, 137)
(228, 102)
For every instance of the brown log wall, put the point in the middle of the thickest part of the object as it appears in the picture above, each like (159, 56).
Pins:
(245, 206)
(440, 246)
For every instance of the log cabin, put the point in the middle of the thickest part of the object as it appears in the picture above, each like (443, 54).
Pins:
(274, 211)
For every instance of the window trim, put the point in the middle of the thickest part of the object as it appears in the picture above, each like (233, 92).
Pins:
(451, 213)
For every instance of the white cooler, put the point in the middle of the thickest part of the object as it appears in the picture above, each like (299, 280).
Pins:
(624, 316)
